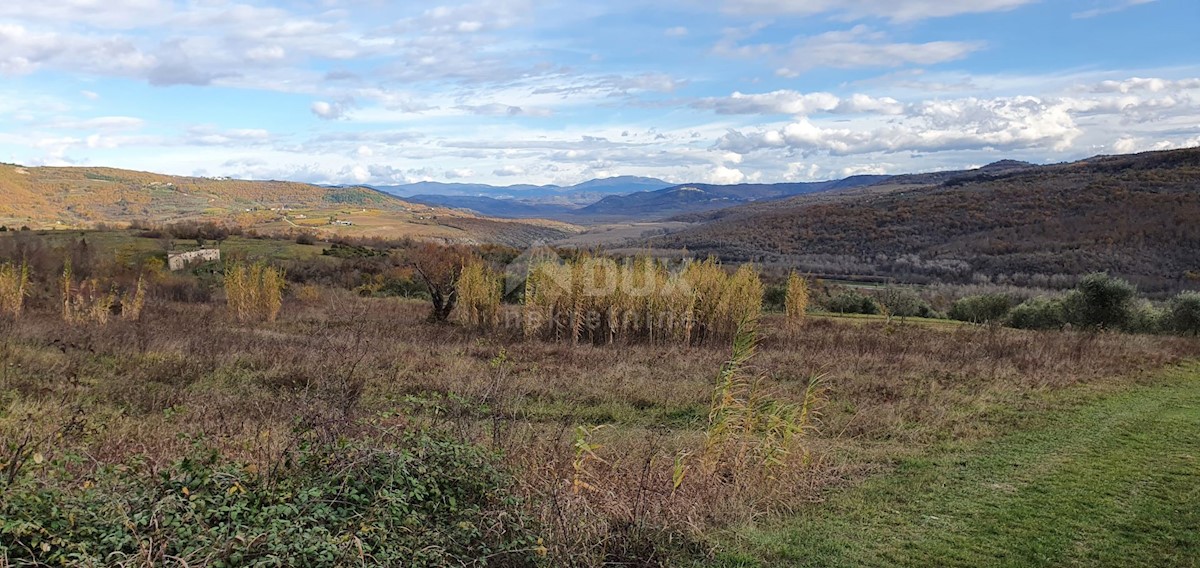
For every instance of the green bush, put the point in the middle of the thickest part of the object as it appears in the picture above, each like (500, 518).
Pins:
(1184, 314)
(774, 298)
(1102, 302)
(425, 502)
(1038, 313)
(852, 302)
(903, 302)
(1144, 318)
(985, 308)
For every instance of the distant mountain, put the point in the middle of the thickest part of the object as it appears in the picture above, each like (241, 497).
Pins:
(696, 197)
(578, 194)
(490, 206)
(1136, 216)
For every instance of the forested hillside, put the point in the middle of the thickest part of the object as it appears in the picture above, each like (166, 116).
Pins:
(1137, 216)
(45, 197)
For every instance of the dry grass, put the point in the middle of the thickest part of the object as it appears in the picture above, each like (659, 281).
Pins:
(86, 301)
(343, 366)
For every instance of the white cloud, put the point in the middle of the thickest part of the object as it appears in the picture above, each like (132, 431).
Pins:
(1154, 85)
(1110, 9)
(725, 176)
(799, 104)
(101, 123)
(862, 47)
(90, 95)
(678, 31)
(328, 111)
(858, 47)
(509, 171)
(896, 10)
(933, 126)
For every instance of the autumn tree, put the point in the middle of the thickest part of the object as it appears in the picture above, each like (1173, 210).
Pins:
(439, 268)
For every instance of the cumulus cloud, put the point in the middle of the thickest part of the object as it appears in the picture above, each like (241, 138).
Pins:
(725, 176)
(800, 104)
(933, 126)
(326, 110)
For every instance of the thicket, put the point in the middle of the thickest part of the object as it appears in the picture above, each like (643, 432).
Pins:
(851, 301)
(1184, 315)
(419, 501)
(600, 300)
(987, 308)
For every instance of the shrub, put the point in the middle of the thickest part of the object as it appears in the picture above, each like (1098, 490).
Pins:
(422, 502)
(775, 298)
(1144, 317)
(86, 301)
(985, 308)
(1100, 301)
(796, 298)
(1038, 313)
(1184, 314)
(902, 302)
(254, 292)
(14, 286)
(851, 301)
(306, 239)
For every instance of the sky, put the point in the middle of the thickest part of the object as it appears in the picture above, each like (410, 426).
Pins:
(532, 91)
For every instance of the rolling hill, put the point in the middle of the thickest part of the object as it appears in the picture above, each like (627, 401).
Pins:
(493, 207)
(1137, 216)
(53, 197)
(696, 197)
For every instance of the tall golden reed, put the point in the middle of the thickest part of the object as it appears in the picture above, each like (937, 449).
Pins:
(479, 290)
(254, 292)
(600, 300)
(14, 286)
(795, 301)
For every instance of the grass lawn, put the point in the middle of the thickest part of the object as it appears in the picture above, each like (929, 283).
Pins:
(1115, 482)
(863, 318)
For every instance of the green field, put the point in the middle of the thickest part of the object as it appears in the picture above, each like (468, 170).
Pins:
(1115, 482)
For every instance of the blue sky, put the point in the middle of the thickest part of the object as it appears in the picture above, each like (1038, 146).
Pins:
(530, 91)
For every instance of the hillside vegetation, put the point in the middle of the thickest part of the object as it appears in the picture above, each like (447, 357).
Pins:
(1136, 216)
(45, 197)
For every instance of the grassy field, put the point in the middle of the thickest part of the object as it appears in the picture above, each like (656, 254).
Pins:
(1115, 482)
(966, 444)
